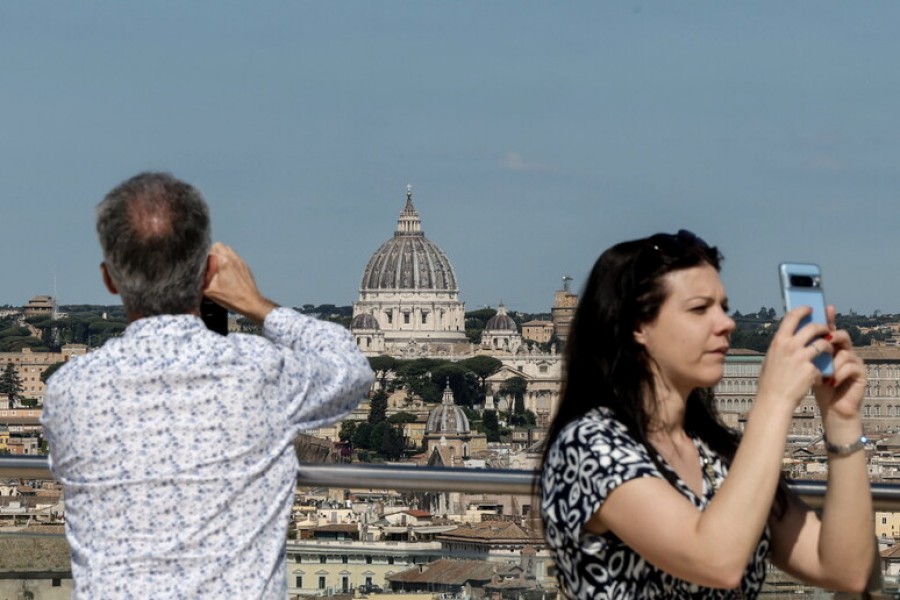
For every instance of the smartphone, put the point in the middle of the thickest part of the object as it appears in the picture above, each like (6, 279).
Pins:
(801, 285)
(214, 316)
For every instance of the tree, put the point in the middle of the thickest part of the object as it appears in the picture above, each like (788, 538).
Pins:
(491, 425)
(382, 365)
(393, 444)
(401, 417)
(454, 374)
(483, 367)
(387, 441)
(51, 370)
(414, 375)
(348, 428)
(478, 318)
(378, 407)
(515, 387)
(362, 436)
(524, 419)
(755, 338)
(10, 384)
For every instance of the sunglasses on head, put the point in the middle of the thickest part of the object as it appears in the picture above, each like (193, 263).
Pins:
(677, 243)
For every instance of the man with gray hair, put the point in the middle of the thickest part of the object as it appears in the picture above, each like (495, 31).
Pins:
(174, 444)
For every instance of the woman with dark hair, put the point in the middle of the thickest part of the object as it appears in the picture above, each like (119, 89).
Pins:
(644, 492)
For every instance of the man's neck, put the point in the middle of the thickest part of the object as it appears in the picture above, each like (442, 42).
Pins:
(134, 316)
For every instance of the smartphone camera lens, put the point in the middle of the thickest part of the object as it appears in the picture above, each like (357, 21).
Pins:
(804, 281)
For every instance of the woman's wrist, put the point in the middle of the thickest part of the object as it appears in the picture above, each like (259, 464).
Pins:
(845, 449)
(772, 404)
(843, 432)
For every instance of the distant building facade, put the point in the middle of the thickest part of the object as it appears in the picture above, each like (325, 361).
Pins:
(736, 392)
(563, 311)
(30, 366)
(538, 331)
(40, 306)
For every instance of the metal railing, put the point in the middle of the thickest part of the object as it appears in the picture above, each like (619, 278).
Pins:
(885, 497)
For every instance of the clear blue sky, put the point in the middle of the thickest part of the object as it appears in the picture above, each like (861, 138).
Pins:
(535, 134)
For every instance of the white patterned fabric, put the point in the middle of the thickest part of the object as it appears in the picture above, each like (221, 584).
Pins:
(590, 458)
(175, 449)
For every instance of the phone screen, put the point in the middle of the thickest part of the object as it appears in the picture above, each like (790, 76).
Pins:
(801, 285)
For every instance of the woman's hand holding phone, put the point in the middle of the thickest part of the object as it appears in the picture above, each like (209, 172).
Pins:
(842, 393)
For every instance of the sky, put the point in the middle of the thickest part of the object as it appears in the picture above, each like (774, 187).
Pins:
(534, 135)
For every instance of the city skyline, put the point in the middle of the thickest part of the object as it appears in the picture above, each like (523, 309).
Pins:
(534, 136)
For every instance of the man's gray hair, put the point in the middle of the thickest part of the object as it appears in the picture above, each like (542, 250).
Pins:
(155, 235)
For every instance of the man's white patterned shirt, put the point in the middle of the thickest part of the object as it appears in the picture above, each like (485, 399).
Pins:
(175, 449)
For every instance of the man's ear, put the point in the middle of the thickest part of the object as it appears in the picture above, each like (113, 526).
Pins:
(107, 279)
(212, 267)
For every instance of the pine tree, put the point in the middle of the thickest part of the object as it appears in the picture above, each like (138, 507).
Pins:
(378, 408)
(10, 384)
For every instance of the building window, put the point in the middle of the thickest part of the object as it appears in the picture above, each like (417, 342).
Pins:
(424, 318)
(298, 582)
(390, 316)
(321, 582)
(298, 559)
(56, 582)
(390, 560)
(406, 318)
(323, 559)
(345, 559)
(368, 560)
(345, 584)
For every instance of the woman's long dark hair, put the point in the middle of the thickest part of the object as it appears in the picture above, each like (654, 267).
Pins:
(606, 366)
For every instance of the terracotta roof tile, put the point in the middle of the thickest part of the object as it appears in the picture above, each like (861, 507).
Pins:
(447, 571)
(34, 554)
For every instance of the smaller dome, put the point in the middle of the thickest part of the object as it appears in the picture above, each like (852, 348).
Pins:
(448, 418)
(501, 321)
(364, 321)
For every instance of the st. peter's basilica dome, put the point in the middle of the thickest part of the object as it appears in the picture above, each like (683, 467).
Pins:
(409, 260)
(408, 299)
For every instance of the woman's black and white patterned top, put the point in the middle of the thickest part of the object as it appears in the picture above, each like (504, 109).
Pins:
(589, 459)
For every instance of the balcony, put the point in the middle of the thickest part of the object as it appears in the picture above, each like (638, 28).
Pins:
(886, 498)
